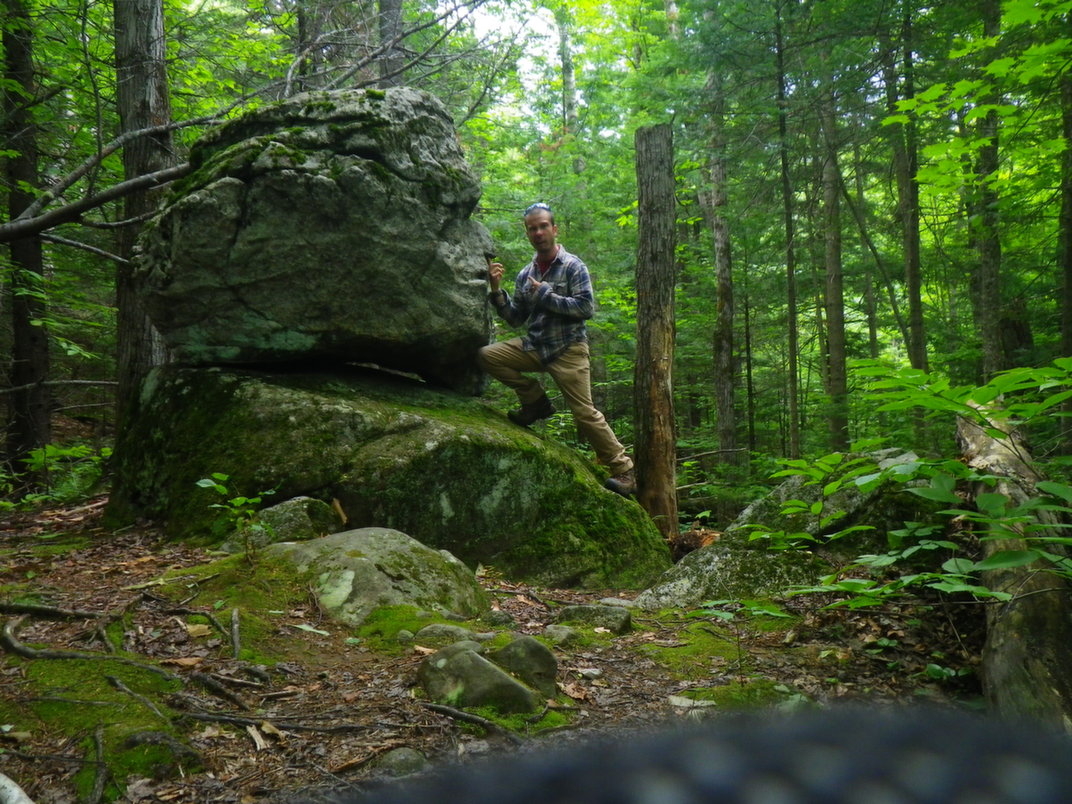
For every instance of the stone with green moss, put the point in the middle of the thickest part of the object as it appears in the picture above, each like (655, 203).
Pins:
(441, 467)
(331, 226)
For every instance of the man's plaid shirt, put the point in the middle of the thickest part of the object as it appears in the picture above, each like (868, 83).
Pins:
(555, 311)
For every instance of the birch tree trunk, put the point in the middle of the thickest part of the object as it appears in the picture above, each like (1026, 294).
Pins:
(656, 455)
(1028, 646)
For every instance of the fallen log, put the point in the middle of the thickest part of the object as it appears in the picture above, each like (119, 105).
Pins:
(1028, 647)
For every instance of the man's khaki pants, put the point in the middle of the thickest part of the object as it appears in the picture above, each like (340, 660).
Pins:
(572, 374)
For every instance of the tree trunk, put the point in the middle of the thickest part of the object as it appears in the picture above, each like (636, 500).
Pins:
(988, 279)
(904, 141)
(1028, 646)
(656, 457)
(30, 426)
(834, 298)
(390, 30)
(1064, 241)
(793, 448)
(570, 118)
(142, 94)
(725, 376)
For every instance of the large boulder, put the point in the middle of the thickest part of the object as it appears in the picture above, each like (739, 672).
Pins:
(395, 453)
(331, 227)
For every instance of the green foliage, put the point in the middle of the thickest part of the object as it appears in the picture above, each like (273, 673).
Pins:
(932, 560)
(238, 511)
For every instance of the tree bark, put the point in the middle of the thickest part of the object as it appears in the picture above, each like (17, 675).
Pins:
(30, 426)
(1064, 241)
(793, 414)
(987, 294)
(834, 297)
(1028, 646)
(904, 140)
(143, 102)
(656, 457)
(393, 59)
(725, 375)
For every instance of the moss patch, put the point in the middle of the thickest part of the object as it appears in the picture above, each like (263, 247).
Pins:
(748, 693)
(83, 699)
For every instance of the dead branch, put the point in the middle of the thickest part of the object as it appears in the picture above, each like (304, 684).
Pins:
(123, 688)
(56, 382)
(468, 717)
(9, 643)
(47, 612)
(101, 777)
(216, 688)
(283, 724)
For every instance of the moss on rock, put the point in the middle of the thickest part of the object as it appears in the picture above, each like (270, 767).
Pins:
(440, 467)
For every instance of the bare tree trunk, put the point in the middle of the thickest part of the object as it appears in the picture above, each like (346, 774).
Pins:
(656, 457)
(142, 93)
(905, 144)
(837, 378)
(570, 117)
(1064, 243)
(1028, 646)
(725, 376)
(988, 276)
(793, 448)
(30, 426)
(391, 30)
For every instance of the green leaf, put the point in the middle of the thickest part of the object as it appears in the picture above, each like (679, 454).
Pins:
(1007, 559)
(931, 493)
(1056, 490)
(958, 566)
(991, 503)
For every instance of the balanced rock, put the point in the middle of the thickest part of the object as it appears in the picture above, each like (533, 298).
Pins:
(331, 227)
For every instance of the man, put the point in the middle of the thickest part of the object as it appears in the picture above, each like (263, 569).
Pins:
(553, 295)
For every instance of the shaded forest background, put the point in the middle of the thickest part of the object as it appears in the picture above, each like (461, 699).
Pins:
(866, 192)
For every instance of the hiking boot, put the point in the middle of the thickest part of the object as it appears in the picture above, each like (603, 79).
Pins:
(624, 484)
(533, 412)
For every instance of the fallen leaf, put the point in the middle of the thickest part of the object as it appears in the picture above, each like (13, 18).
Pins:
(184, 661)
(575, 691)
(310, 629)
(272, 731)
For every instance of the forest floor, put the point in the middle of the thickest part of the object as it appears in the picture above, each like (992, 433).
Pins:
(324, 719)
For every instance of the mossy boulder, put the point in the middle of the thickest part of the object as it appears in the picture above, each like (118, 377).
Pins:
(359, 571)
(441, 467)
(331, 226)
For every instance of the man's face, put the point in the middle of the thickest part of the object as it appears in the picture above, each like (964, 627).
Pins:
(541, 230)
